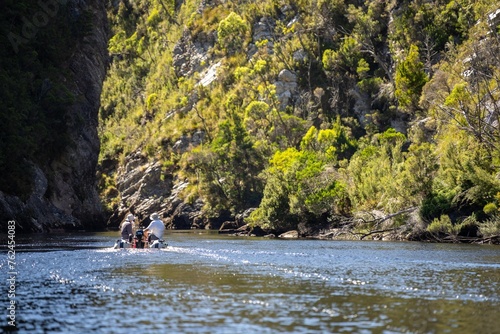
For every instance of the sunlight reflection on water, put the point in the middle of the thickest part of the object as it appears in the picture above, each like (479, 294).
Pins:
(210, 284)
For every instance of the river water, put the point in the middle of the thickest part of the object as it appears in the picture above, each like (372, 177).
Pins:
(206, 283)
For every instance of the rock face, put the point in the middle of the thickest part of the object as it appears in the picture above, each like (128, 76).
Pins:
(64, 193)
(191, 53)
(185, 142)
(144, 189)
(286, 87)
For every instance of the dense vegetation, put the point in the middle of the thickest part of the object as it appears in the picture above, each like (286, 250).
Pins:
(396, 106)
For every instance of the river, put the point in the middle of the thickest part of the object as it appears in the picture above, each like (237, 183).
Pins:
(206, 283)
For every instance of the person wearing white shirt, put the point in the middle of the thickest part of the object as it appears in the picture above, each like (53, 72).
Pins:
(156, 228)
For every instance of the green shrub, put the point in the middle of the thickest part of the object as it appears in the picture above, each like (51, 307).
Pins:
(490, 208)
(490, 227)
(434, 205)
(442, 225)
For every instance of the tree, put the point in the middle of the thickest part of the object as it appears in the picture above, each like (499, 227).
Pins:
(465, 181)
(227, 170)
(474, 102)
(370, 24)
(231, 32)
(305, 186)
(375, 171)
(409, 79)
(330, 144)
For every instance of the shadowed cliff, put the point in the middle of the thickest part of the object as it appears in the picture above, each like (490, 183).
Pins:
(52, 64)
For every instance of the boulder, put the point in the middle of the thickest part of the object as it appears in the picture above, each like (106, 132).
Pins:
(289, 235)
(287, 76)
(263, 29)
(229, 225)
(185, 142)
(286, 87)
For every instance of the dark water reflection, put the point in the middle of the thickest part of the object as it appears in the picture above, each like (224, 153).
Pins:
(204, 283)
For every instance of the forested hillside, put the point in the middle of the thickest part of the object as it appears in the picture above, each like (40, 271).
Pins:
(326, 116)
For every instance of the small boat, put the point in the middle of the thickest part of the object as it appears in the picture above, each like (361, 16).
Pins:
(139, 241)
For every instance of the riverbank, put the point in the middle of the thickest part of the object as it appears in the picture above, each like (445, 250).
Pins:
(393, 234)
(402, 226)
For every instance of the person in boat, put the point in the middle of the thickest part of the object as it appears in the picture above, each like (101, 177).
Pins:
(126, 229)
(155, 228)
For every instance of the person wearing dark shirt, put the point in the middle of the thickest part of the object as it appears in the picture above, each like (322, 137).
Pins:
(126, 229)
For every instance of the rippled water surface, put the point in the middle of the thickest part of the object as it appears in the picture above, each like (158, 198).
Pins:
(205, 283)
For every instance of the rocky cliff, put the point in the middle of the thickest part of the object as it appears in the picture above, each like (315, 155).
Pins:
(62, 192)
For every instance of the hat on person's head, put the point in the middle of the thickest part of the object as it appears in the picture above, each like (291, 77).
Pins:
(130, 217)
(154, 216)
